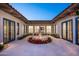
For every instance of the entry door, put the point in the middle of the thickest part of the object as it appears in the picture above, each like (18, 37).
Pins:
(9, 31)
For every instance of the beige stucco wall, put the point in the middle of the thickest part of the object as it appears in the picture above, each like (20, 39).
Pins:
(58, 24)
(42, 24)
(10, 17)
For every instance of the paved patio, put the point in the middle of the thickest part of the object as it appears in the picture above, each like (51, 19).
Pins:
(58, 47)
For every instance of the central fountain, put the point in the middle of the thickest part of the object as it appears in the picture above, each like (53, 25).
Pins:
(39, 39)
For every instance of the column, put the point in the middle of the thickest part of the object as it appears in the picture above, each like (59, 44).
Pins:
(28, 29)
(33, 29)
(74, 30)
(1, 30)
(16, 36)
(45, 30)
(52, 29)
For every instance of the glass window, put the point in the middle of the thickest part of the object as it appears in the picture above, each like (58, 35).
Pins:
(12, 29)
(30, 29)
(48, 29)
(36, 29)
(5, 31)
(54, 28)
(64, 30)
(69, 30)
(78, 30)
(22, 29)
(9, 31)
(26, 29)
(42, 29)
(17, 28)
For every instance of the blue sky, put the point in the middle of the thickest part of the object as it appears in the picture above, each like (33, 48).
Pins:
(40, 11)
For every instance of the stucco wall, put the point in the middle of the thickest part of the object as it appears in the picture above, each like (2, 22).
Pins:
(58, 26)
(10, 17)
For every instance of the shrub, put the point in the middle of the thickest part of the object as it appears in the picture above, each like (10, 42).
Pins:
(49, 39)
(55, 35)
(44, 34)
(29, 34)
(1, 47)
(19, 38)
(36, 34)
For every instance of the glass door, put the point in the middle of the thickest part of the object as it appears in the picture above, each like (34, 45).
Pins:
(9, 31)
(42, 29)
(48, 29)
(64, 30)
(36, 29)
(12, 29)
(69, 30)
(78, 31)
(30, 29)
(6, 31)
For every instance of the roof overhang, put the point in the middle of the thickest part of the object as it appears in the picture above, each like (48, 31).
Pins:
(70, 10)
(39, 22)
(9, 9)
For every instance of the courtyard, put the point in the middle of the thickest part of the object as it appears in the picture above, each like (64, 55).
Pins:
(58, 47)
(16, 30)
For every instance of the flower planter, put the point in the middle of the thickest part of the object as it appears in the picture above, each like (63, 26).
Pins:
(39, 41)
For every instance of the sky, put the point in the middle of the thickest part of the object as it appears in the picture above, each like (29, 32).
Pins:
(40, 11)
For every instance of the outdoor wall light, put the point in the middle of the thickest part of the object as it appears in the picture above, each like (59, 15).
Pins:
(1, 43)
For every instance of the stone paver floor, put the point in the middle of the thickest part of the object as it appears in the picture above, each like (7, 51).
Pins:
(58, 47)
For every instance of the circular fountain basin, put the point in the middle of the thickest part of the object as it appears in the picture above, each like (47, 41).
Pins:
(39, 39)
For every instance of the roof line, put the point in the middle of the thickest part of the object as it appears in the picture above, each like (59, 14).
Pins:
(61, 12)
(16, 11)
